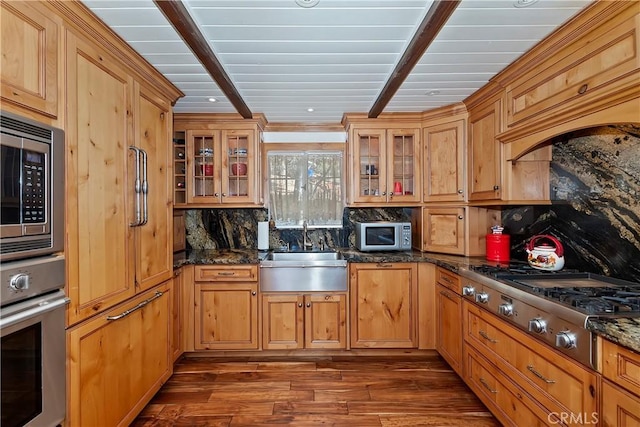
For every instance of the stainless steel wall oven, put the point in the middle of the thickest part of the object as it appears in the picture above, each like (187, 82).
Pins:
(32, 274)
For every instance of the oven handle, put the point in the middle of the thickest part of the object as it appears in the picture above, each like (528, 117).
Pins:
(137, 307)
(42, 308)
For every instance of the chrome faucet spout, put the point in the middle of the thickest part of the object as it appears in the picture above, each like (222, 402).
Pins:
(306, 243)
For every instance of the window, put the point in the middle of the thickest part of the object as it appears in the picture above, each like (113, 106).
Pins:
(305, 186)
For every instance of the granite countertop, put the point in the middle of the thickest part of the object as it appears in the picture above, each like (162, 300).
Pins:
(219, 256)
(622, 331)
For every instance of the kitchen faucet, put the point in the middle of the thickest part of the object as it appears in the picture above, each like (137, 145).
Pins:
(306, 243)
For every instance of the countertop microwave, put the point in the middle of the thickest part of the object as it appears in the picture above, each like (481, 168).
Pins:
(383, 236)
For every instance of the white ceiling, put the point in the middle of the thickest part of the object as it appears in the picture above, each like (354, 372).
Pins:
(335, 57)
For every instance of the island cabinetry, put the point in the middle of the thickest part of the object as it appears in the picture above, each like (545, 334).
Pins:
(216, 161)
(29, 68)
(383, 305)
(311, 321)
(384, 160)
(620, 369)
(226, 307)
(119, 359)
(444, 162)
(449, 318)
(551, 380)
(456, 230)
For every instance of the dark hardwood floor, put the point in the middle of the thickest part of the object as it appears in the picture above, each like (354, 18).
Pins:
(336, 391)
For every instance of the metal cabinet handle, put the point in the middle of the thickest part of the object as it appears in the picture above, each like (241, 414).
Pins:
(224, 194)
(460, 217)
(460, 191)
(539, 375)
(308, 304)
(484, 335)
(137, 307)
(145, 189)
(496, 187)
(446, 295)
(382, 265)
(226, 273)
(216, 194)
(300, 304)
(137, 188)
(487, 386)
(254, 293)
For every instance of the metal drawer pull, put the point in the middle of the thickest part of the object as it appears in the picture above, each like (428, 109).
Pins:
(484, 335)
(446, 279)
(539, 375)
(137, 307)
(382, 265)
(446, 295)
(226, 273)
(487, 386)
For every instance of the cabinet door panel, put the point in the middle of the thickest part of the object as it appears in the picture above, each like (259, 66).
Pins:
(118, 364)
(29, 65)
(444, 230)
(403, 165)
(203, 167)
(484, 152)
(99, 240)
(283, 322)
(383, 305)
(449, 327)
(369, 167)
(325, 321)
(444, 162)
(154, 239)
(238, 166)
(619, 407)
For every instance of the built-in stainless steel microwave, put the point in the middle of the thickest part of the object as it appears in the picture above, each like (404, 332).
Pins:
(383, 236)
(31, 188)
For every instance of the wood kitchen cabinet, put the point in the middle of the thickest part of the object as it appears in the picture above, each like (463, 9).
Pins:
(29, 71)
(311, 321)
(127, 234)
(226, 307)
(547, 379)
(456, 230)
(383, 305)
(449, 318)
(177, 328)
(385, 163)
(620, 369)
(444, 162)
(119, 359)
(216, 161)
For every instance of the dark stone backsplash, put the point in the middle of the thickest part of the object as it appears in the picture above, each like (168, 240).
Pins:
(238, 228)
(595, 211)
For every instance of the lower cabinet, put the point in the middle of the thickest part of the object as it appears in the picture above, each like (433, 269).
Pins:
(312, 321)
(118, 360)
(449, 319)
(226, 307)
(547, 382)
(620, 385)
(177, 347)
(384, 305)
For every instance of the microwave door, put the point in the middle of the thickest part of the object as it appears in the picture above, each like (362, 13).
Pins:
(10, 187)
(380, 236)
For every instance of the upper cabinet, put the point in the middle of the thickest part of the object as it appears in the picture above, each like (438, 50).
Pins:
(216, 161)
(444, 175)
(29, 67)
(385, 164)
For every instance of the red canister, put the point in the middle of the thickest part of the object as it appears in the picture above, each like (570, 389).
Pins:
(498, 247)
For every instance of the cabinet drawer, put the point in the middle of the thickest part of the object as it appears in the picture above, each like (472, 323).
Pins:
(621, 365)
(558, 383)
(506, 401)
(239, 273)
(448, 279)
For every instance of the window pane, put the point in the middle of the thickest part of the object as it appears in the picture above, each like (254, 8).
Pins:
(306, 187)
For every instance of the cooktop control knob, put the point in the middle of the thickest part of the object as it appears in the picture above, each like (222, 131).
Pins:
(506, 309)
(565, 339)
(538, 326)
(19, 282)
(482, 297)
(468, 290)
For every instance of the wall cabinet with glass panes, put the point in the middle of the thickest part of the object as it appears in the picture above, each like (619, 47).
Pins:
(385, 166)
(216, 162)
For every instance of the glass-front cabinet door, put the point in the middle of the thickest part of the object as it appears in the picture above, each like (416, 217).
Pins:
(238, 168)
(403, 174)
(369, 182)
(203, 156)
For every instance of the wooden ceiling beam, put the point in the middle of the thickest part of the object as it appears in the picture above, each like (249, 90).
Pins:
(179, 17)
(436, 18)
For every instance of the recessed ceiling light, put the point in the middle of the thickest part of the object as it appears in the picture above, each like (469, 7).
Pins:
(212, 99)
(433, 92)
(524, 3)
(311, 110)
(307, 3)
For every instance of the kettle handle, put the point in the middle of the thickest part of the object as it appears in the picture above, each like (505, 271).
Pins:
(534, 239)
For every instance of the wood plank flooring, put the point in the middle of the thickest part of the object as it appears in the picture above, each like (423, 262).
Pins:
(338, 391)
